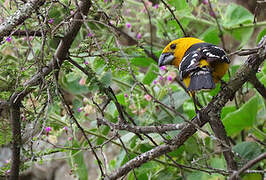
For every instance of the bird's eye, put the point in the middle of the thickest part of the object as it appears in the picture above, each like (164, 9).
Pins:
(173, 46)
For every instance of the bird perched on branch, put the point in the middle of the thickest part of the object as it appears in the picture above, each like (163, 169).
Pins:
(201, 65)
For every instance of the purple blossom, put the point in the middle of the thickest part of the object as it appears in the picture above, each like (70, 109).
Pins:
(79, 109)
(147, 97)
(205, 2)
(86, 62)
(90, 34)
(139, 36)
(212, 14)
(8, 171)
(155, 82)
(8, 39)
(47, 130)
(169, 78)
(65, 128)
(156, 6)
(72, 12)
(51, 21)
(161, 78)
(128, 25)
(126, 95)
(163, 68)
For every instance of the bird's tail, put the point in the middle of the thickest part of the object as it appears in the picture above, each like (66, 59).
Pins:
(201, 79)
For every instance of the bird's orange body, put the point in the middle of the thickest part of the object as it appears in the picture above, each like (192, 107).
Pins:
(201, 65)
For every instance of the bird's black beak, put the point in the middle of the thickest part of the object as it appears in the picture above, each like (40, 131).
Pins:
(166, 59)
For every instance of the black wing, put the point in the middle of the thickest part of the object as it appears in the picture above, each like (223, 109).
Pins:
(195, 53)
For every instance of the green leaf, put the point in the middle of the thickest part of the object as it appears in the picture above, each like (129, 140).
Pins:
(177, 99)
(236, 16)
(78, 162)
(166, 174)
(211, 35)
(253, 176)
(242, 118)
(260, 35)
(106, 79)
(70, 83)
(121, 158)
(189, 108)
(121, 98)
(151, 74)
(142, 61)
(218, 163)
(227, 110)
(247, 150)
(180, 5)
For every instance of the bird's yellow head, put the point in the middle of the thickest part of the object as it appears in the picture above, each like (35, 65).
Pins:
(175, 50)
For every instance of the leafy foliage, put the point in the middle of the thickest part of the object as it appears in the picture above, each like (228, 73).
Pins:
(116, 61)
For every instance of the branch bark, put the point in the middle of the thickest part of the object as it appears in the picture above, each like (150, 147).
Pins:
(245, 71)
(248, 165)
(16, 138)
(258, 85)
(142, 129)
(19, 17)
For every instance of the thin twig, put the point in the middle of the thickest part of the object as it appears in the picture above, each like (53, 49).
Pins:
(178, 22)
(248, 165)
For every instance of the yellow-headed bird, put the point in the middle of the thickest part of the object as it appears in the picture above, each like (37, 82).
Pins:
(200, 64)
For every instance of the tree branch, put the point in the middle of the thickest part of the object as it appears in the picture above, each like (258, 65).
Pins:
(245, 71)
(258, 85)
(19, 17)
(248, 165)
(142, 129)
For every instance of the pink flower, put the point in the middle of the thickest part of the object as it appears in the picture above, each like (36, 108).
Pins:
(161, 78)
(23, 118)
(86, 62)
(82, 81)
(139, 36)
(205, 2)
(128, 25)
(47, 130)
(72, 12)
(79, 109)
(6, 161)
(69, 138)
(212, 14)
(65, 128)
(8, 39)
(90, 34)
(126, 95)
(51, 21)
(148, 3)
(147, 97)
(156, 6)
(155, 82)
(8, 171)
(169, 78)
(163, 68)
